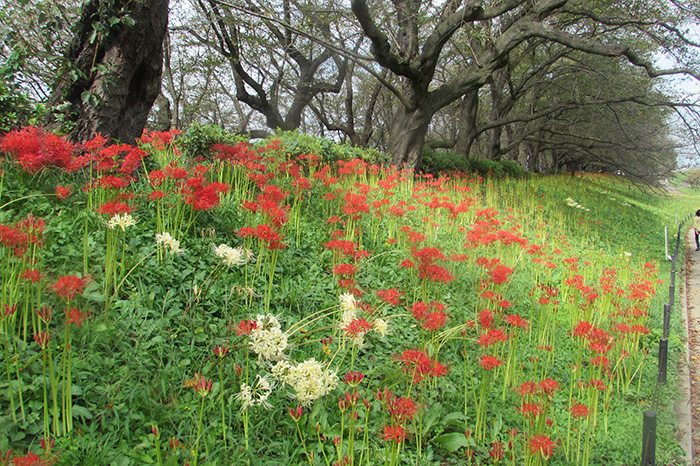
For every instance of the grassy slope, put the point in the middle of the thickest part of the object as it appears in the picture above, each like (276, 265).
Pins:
(156, 335)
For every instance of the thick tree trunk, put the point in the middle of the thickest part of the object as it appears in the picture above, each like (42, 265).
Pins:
(466, 135)
(407, 136)
(119, 69)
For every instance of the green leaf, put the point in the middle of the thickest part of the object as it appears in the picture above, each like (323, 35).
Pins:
(81, 411)
(431, 418)
(452, 441)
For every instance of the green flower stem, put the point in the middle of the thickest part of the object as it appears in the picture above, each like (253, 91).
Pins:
(303, 443)
(199, 431)
(320, 443)
(8, 371)
(223, 411)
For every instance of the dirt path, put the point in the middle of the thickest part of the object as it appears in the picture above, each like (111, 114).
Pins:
(688, 407)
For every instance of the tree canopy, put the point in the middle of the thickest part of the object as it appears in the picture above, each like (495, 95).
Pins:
(552, 84)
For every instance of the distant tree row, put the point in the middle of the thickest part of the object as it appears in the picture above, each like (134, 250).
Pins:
(551, 84)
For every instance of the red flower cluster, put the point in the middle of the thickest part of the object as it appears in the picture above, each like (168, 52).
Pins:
(36, 149)
(391, 296)
(418, 365)
(68, 286)
(541, 444)
(489, 362)
(265, 234)
(431, 316)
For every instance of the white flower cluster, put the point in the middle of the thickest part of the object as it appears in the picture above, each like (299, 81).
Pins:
(380, 326)
(350, 311)
(267, 339)
(308, 379)
(575, 204)
(169, 242)
(257, 394)
(232, 256)
(349, 307)
(122, 221)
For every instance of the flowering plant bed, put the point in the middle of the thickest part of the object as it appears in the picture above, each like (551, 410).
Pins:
(262, 307)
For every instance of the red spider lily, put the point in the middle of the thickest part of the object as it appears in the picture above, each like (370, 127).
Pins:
(395, 433)
(401, 409)
(516, 321)
(32, 275)
(159, 139)
(486, 318)
(357, 327)
(264, 233)
(601, 361)
(345, 270)
(35, 149)
(63, 192)
(435, 273)
(548, 386)
(156, 195)
(427, 255)
(12, 237)
(245, 327)
(112, 182)
(346, 248)
(489, 362)
(488, 264)
(74, 316)
(356, 166)
(354, 378)
(296, 413)
(201, 385)
(348, 400)
(355, 205)
(528, 388)
(391, 296)
(220, 350)
(42, 339)
(239, 152)
(112, 208)
(541, 444)
(582, 329)
(44, 314)
(501, 274)
(530, 410)
(491, 337)
(579, 410)
(68, 286)
(435, 320)
(203, 197)
(9, 310)
(496, 452)
(596, 383)
(31, 460)
(419, 365)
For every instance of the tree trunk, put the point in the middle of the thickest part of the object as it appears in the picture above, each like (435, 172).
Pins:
(118, 68)
(466, 134)
(407, 136)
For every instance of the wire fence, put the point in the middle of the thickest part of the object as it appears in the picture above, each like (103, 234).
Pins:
(649, 423)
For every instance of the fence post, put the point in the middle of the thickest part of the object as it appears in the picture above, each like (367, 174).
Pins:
(667, 320)
(663, 359)
(671, 294)
(649, 439)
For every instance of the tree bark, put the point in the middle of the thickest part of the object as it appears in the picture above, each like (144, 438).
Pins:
(118, 68)
(407, 136)
(466, 135)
